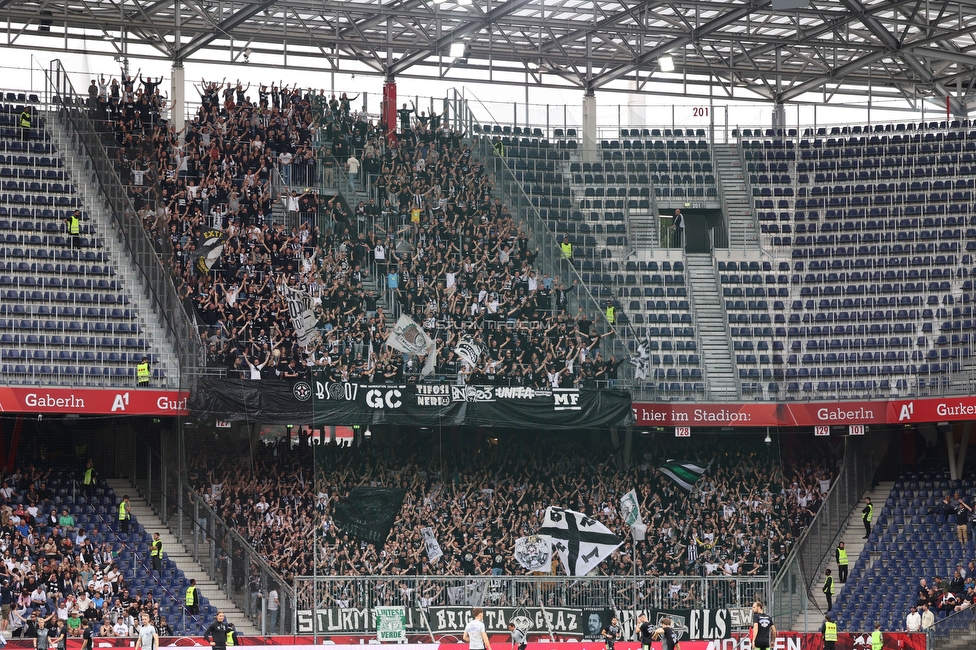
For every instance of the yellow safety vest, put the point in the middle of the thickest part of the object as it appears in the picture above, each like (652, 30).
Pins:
(123, 511)
(842, 557)
(870, 514)
(75, 227)
(567, 250)
(611, 315)
(877, 641)
(157, 549)
(829, 585)
(191, 595)
(25, 120)
(830, 631)
(230, 637)
(142, 372)
(89, 476)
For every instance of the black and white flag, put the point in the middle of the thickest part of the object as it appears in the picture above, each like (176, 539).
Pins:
(470, 593)
(581, 542)
(641, 362)
(534, 553)
(302, 316)
(408, 337)
(434, 551)
(209, 249)
(468, 350)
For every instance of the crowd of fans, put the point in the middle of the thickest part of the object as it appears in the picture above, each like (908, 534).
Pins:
(733, 522)
(56, 579)
(436, 243)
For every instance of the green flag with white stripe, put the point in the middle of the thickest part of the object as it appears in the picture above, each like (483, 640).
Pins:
(684, 473)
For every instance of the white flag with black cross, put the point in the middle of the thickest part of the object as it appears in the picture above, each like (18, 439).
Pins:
(581, 542)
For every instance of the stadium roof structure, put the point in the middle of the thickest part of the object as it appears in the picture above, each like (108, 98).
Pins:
(905, 50)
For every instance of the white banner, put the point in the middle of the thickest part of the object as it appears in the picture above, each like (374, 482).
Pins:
(409, 338)
(534, 553)
(302, 316)
(434, 551)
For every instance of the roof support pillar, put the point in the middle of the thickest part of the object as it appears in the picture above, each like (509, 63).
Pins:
(589, 126)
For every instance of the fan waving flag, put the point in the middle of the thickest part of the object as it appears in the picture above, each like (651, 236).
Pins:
(683, 472)
(582, 542)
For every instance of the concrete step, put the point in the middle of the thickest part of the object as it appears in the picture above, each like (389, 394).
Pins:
(183, 559)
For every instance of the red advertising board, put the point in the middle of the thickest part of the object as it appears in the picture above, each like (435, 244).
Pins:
(92, 401)
(805, 414)
(785, 641)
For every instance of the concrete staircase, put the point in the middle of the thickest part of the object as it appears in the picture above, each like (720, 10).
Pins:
(853, 542)
(743, 227)
(182, 558)
(148, 312)
(644, 229)
(712, 329)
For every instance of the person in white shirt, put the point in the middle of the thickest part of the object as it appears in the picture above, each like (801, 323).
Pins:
(928, 618)
(284, 159)
(120, 628)
(475, 634)
(352, 166)
(913, 622)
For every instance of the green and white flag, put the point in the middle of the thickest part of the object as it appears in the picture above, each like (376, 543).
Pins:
(391, 624)
(683, 472)
(630, 508)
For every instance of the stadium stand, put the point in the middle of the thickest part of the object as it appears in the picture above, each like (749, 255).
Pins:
(718, 529)
(64, 556)
(222, 178)
(913, 557)
(65, 317)
(876, 227)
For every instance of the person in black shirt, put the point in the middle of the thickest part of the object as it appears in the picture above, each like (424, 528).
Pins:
(611, 632)
(763, 629)
(645, 632)
(216, 634)
(667, 635)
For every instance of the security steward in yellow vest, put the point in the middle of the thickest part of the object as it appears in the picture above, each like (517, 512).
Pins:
(192, 599)
(142, 373)
(25, 123)
(828, 589)
(88, 479)
(840, 554)
(867, 514)
(73, 224)
(829, 631)
(156, 554)
(611, 313)
(124, 516)
(566, 249)
(877, 639)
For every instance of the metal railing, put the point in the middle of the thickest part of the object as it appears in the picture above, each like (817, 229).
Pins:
(950, 630)
(243, 574)
(791, 600)
(314, 594)
(550, 258)
(72, 109)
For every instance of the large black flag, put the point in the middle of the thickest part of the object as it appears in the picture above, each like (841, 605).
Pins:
(368, 513)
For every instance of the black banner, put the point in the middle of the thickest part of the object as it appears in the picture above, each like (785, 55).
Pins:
(691, 624)
(368, 513)
(321, 402)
